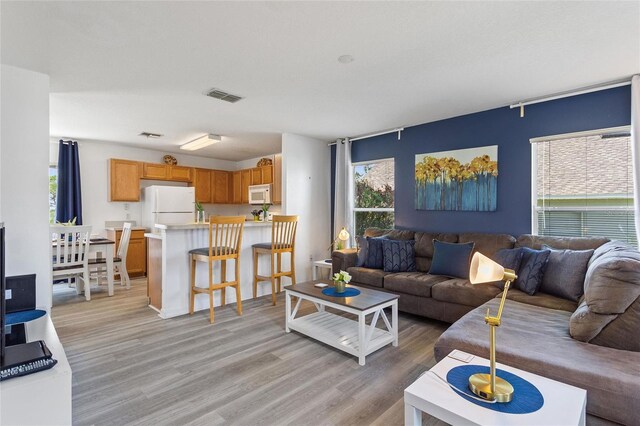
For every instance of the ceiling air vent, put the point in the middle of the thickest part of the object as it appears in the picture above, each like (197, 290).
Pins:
(223, 96)
(151, 135)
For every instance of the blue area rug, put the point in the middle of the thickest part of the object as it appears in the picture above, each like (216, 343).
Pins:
(348, 292)
(24, 316)
(526, 397)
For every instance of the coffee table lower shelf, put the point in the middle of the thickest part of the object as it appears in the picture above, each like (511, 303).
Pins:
(339, 332)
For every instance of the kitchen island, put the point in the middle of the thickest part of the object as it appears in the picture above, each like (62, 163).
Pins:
(168, 266)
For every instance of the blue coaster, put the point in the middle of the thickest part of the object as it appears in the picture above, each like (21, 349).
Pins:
(526, 397)
(348, 292)
(24, 316)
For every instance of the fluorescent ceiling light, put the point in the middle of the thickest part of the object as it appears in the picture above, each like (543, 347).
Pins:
(201, 142)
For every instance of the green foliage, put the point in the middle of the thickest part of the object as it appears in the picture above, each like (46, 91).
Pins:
(364, 220)
(53, 191)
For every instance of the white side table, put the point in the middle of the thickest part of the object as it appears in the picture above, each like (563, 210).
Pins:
(563, 404)
(321, 264)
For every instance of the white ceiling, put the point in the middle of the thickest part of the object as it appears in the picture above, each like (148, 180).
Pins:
(120, 68)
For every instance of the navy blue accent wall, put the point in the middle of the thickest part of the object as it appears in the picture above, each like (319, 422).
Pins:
(502, 127)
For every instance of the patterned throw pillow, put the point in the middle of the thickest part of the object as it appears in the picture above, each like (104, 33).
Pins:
(399, 256)
(363, 251)
(451, 259)
(564, 276)
(534, 263)
(375, 258)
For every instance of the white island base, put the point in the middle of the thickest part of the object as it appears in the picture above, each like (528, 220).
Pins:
(168, 267)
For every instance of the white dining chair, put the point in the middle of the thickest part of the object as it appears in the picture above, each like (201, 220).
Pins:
(99, 264)
(70, 247)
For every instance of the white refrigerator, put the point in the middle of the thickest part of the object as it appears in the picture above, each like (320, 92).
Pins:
(168, 205)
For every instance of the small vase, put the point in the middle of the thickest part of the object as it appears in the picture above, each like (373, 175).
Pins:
(256, 218)
(200, 217)
(340, 286)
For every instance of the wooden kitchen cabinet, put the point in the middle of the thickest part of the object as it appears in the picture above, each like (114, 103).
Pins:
(202, 183)
(236, 187)
(267, 174)
(256, 176)
(220, 186)
(136, 253)
(276, 191)
(155, 171)
(180, 173)
(124, 180)
(244, 187)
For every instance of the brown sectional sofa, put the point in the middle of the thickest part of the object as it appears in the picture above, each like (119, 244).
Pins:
(593, 344)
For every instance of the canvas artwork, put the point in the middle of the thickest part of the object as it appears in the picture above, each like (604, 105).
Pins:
(464, 179)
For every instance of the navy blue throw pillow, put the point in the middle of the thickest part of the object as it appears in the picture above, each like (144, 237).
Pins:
(399, 256)
(509, 258)
(534, 263)
(451, 259)
(363, 251)
(375, 258)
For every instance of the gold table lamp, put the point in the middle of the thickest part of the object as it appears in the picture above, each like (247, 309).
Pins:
(489, 386)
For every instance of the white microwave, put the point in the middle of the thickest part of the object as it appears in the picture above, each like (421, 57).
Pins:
(260, 194)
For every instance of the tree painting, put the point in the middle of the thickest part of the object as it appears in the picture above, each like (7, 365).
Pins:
(464, 179)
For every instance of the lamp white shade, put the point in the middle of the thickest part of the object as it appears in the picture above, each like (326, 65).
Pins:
(484, 270)
(343, 235)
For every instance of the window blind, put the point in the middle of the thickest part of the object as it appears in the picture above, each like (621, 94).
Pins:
(584, 187)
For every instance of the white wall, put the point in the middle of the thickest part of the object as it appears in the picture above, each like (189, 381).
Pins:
(94, 164)
(305, 172)
(24, 187)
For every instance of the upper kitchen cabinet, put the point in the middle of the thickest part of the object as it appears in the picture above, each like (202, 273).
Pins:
(276, 192)
(246, 180)
(266, 173)
(202, 182)
(256, 176)
(155, 171)
(220, 186)
(124, 180)
(235, 187)
(180, 173)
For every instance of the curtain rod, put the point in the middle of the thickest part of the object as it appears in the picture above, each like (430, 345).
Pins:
(370, 135)
(581, 91)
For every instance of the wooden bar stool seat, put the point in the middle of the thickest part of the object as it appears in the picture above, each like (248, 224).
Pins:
(225, 240)
(283, 237)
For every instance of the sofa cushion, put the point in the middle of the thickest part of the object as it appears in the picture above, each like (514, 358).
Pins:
(531, 270)
(399, 256)
(372, 277)
(451, 259)
(536, 339)
(542, 300)
(461, 291)
(363, 251)
(509, 258)
(573, 243)
(392, 234)
(610, 312)
(424, 241)
(488, 244)
(415, 283)
(565, 271)
(375, 253)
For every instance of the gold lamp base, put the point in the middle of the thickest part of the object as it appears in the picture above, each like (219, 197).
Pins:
(480, 384)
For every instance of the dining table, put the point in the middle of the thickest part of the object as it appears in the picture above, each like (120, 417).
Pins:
(99, 247)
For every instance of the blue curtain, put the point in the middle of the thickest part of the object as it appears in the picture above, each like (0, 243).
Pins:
(69, 198)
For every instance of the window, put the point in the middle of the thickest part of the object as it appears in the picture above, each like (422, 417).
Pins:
(584, 185)
(53, 191)
(374, 186)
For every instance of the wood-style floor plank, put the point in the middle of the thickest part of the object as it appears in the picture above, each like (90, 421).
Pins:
(131, 367)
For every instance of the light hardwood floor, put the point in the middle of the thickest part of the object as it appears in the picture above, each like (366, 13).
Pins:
(131, 367)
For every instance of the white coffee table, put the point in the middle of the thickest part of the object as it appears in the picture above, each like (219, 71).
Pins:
(355, 337)
(563, 404)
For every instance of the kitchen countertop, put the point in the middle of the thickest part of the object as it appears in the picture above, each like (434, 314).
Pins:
(247, 224)
(119, 228)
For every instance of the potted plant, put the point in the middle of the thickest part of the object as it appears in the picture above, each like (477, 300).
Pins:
(256, 215)
(265, 211)
(340, 281)
(200, 212)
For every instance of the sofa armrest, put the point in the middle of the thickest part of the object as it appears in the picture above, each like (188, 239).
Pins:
(343, 259)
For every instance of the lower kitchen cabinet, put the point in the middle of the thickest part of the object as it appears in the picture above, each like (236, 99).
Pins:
(136, 253)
